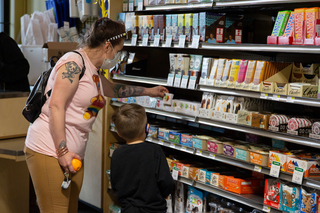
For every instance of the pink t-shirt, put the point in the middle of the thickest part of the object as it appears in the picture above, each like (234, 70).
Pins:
(80, 113)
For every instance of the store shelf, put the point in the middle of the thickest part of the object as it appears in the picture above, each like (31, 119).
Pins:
(192, 6)
(298, 49)
(259, 2)
(236, 127)
(140, 79)
(252, 200)
(230, 160)
(225, 91)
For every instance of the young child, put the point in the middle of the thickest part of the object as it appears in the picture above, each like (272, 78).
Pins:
(140, 174)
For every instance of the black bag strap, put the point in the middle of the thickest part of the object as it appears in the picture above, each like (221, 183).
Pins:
(52, 63)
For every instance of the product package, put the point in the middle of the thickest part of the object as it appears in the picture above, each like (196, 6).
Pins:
(308, 201)
(175, 36)
(272, 193)
(299, 17)
(290, 26)
(188, 26)
(168, 25)
(289, 198)
(211, 27)
(194, 200)
(233, 30)
(280, 23)
(195, 24)
(181, 25)
(179, 200)
(242, 71)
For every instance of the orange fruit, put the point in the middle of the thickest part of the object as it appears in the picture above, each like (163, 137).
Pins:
(76, 164)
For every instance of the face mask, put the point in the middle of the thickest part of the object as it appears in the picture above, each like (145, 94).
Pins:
(108, 64)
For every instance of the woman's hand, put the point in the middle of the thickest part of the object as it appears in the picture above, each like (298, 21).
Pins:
(66, 161)
(158, 91)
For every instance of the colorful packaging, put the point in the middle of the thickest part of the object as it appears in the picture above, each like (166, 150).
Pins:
(290, 26)
(188, 26)
(311, 15)
(194, 200)
(226, 71)
(135, 24)
(242, 71)
(195, 24)
(243, 186)
(272, 193)
(278, 157)
(181, 25)
(299, 17)
(186, 140)
(221, 65)
(168, 25)
(250, 71)
(234, 70)
(150, 27)
(153, 132)
(308, 201)
(155, 25)
(258, 75)
(163, 134)
(281, 22)
(289, 198)
(211, 27)
(200, 142)
(174, 137)
(174, 28)
(310, 167)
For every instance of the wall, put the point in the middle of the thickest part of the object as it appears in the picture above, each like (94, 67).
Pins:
(35, 5)
(17, 9)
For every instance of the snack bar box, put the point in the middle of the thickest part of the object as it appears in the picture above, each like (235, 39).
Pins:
(311, 168)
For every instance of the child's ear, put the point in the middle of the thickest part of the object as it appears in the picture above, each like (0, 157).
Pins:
(119, 134)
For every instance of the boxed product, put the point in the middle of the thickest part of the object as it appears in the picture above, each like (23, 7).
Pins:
(200, 142)
(194, 200)
(194, 172)
(188, 26)
(195, 24)
(180, 165)
(260, 120)
(174, 27)
(278, 157)
(259, 156)
(181, 25)
(243, 186)
(168, 26)
(163, 134)
(174, 136)
(245, 117)
(281, 23)
(186, 140)
(150, 29)
(289, 198)
(215, 146)
(153, 132)
(179, 198)
(311, 168)
(211, 27)
(162, 26)
(242, 152)
(228, 149)
(272, 193)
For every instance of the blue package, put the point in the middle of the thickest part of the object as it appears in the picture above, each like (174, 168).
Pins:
(308, 202)
(153, 132)
(289, 198)
(186, 140)
(194, 200)
(163, 134)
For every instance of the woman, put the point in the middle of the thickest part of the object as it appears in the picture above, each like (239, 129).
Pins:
(61, 131)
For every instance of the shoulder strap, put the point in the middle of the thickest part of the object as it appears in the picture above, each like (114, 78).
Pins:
(82, 71)
(84, 65)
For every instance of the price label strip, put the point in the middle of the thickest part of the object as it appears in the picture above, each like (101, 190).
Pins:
(161, 142)
(266, 208)
(175, 173)
(173, 145)
(212, 156)
(145, 40)
(290, 99)
(275, 169)
(184, 148)
(276, 97)
(264, 96)
(297, 176)
(134, 40)
(156, 41)
(168, 41)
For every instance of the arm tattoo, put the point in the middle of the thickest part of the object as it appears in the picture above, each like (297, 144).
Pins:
(72, 69)
(122, 91)
(62, 144)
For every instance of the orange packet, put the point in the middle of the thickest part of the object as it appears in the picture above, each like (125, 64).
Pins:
(299, 17)
(311, 15)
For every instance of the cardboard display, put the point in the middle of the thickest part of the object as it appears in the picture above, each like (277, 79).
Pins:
(211, 27)
(304, 91)
(58, 49)
(233, 30)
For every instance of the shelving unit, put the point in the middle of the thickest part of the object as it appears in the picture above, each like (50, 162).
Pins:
(225, 91)
(236, 127)
(231, 161)
(286, 53)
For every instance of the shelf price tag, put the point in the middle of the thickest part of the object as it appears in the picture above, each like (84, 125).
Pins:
(264, 96)
(177, 80)
(156, 41)
(168, 41)
(195, 41)
(184, 148)
(290, 99)
(66, 26)
(275, 169)
(199, 152)
(182, 41)
(170, 80)
(161, 142)
(212, 156)
(297, 176)
(266, 209)
(184, 82)
(192, 82)
(276, 97)
(175, 173)
(134, 40)
(173, 145)
(140, 5)
(145, 40)
(257, 168)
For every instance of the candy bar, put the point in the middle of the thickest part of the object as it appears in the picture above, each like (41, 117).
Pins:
(281, 22)
(242, 71)
(290, 26)
(299, 17)
(311, 16)
(316, 128)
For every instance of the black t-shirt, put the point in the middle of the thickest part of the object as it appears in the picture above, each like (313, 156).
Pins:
(141, 178)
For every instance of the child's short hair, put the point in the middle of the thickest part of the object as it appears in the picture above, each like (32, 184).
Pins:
(130, 121)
